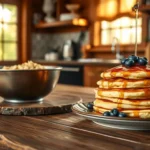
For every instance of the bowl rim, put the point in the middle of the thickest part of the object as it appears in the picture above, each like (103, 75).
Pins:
(44, 69)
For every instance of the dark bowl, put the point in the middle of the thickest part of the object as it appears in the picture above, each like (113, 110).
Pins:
(20, 86)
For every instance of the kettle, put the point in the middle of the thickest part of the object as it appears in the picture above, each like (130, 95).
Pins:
(68, 51)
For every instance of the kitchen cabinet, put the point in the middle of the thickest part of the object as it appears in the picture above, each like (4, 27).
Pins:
(76, 24)
(145, 8)
(88, 12)
(80, 24)
(71, 75)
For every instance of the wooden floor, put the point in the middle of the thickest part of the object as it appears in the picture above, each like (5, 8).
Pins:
(67, 131)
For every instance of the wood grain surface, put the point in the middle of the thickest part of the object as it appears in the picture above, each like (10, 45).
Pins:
(67, 131)
(53, 104)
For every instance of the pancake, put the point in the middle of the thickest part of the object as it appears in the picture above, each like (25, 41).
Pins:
(123, 83)
(126, 89)
(125, 93)
(135, 72)
(110, 105)
(130, 113)
(144, 102)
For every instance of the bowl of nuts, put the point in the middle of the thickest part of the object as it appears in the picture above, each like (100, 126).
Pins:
(27, 82)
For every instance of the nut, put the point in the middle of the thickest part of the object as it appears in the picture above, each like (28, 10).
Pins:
(25, 66)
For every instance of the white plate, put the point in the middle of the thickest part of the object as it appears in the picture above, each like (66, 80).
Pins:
(113, 122)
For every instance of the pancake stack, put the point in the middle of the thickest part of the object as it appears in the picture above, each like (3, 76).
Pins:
(127, 89)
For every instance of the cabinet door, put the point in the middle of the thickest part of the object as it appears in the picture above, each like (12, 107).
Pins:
(92, 75)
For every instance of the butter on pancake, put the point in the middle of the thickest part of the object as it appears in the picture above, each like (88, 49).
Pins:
(145, 113)
(110, 105)
(144, 102)
(123, 83)
(125, 93)
(135, 72)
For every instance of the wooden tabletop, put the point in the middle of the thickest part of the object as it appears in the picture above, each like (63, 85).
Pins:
(67, 131)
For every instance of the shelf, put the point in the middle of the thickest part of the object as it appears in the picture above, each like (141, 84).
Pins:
(145, 8)
(123, 48)
(75, 22)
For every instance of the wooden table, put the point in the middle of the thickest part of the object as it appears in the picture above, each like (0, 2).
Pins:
(67, 131)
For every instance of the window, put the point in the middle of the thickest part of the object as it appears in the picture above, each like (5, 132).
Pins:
(123, 29)
(115, 18)
(8, 32)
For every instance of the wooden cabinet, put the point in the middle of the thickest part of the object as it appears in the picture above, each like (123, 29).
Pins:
(145, 9)
(81, 23)
(92, 74)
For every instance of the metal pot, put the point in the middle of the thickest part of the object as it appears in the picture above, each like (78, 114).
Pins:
(68, 51)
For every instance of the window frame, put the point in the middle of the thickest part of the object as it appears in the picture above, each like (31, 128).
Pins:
(120, 27)
(95, 32)
(17, 3)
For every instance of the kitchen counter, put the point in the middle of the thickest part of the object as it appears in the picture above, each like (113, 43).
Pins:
(67, 131)
(81, 62)
(85, 72)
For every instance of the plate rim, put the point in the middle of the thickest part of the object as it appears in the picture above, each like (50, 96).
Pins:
(107, 118)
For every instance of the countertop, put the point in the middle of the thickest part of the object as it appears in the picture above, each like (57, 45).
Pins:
(82, 62)
(67, 131)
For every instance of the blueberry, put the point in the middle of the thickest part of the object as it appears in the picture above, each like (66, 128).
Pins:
(112, 114)
(133, 57)
(129, 63)
(123, 61)
(115, 111)
(90, 105)
(106, 113)
(142, 61)
(122, 114)
(145, 58)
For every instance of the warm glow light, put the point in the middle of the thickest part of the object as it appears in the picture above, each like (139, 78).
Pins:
(80, 22)
(1, 53)
(104, 38)
(107, 8)
(1, 12)
(125, 36)
(5, 14)
(125, 22)
(88, 47)
(115, 23)
(126, 5)
(114, 33)
(5, 26)
(96, 33)
(110, 8)
(122, 28)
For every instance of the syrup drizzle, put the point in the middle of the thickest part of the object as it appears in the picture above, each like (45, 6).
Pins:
(136, 113)
(126, 72)
(136, 7)
(119, 106)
